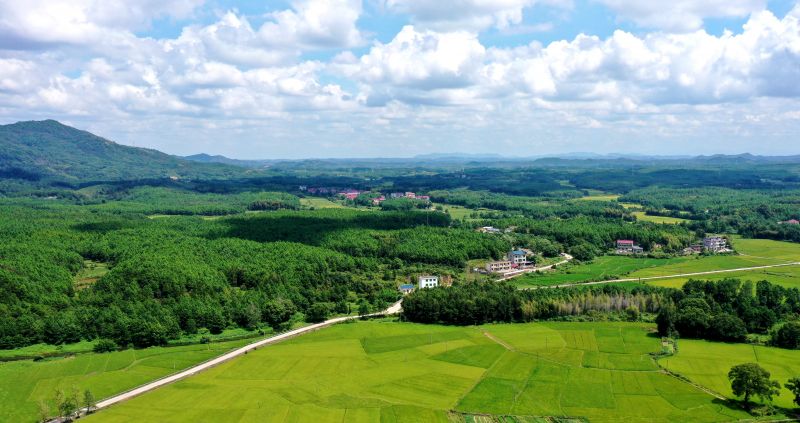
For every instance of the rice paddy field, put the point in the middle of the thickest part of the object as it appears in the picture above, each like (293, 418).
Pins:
(24, 383)
(640, 215)
(752, 253)
(387, 371)
(707, 363)
(601, 268)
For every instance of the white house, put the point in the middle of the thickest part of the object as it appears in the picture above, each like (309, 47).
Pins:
(498, 266)
(428, 281)
(715, 243)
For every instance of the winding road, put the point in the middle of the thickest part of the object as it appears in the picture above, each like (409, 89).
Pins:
(393, 309)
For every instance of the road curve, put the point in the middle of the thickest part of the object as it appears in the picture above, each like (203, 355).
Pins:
(393, 309)
(680, 275)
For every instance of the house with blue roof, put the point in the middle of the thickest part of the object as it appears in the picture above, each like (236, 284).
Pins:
(406, 288)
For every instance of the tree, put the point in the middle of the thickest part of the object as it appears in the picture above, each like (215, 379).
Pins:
(44, 411)
(89, 401)
(728, 328)
(788, 336)
(363, 308)
(793, 385)
(318, 312)
(67, 403)
(105, 345)
(666, 320)
(751, 379)
(632, 313)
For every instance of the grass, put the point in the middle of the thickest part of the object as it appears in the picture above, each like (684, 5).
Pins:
(599, 197)
(601, 268)
(708, 363)
(753, 253)
(642, 216)
(48, 349)
(90, 273)
(319, 203)
(461, 212)
(24, 383)
(385, 371)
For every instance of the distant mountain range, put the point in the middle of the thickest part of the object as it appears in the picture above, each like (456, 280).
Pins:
(50, 150)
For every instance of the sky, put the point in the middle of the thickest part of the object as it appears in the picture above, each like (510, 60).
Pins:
(396, 78)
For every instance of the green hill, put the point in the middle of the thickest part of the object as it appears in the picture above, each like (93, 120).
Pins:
(49, 150)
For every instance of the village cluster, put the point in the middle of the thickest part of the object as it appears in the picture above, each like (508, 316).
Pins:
(352, 194)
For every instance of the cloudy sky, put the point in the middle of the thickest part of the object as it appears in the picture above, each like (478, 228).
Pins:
(389, 78)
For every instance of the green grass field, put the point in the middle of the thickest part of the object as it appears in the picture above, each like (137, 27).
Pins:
(707, 363)
(385, 371)
(90, 273)
(753, 252)
(24, 383)
(599, 197)
(640, 215)
(600, 268)
(319, 203)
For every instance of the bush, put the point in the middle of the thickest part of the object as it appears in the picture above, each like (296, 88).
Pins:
(105, 345)
(318, 312)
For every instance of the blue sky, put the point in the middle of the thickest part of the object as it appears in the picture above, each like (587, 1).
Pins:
(353, 78)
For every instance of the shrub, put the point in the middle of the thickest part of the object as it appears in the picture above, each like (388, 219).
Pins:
(105, 345)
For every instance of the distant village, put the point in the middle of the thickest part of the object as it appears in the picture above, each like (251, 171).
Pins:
(352, 194)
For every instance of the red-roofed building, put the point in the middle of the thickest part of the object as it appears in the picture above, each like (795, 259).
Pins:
(791, 222)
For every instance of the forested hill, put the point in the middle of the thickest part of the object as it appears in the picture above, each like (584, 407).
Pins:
(49, 150)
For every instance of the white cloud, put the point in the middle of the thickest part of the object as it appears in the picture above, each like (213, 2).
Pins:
(473, 15)
(32, 23)
(681, 15)
(315, 24)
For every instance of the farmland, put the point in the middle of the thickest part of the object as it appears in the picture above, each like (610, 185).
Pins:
(389, 371)
(644, 217)
(707, 363)
(24, 383)
(601, 268)
(752, 252)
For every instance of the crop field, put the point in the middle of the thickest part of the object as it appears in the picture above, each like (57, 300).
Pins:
(707, 363)
(319, 203)
(24, 383)
(599, 197)
(640, 215)
(401, 372)
(752, 253)
(601, 268)
(788, 277)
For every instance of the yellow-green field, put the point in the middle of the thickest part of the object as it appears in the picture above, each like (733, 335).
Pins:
(24, 383)
(642, 216)
(753, 252)
(319, 203)
(385, 371)
(707, 363)
(90, 273)
(599, 197)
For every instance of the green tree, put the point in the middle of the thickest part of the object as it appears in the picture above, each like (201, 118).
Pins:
(88, 401)
(44, 411)
(788, 336)
(666, 320)
(363, 308)
(318, 312)
(105, 345)
(750, 379)
(793, 385)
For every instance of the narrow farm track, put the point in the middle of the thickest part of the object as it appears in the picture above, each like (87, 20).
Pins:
(650, 278)
(393, 309)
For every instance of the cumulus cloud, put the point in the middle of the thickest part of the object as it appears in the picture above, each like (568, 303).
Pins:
(681, 15)
(474, 15)
(37, 23)
(315, 24)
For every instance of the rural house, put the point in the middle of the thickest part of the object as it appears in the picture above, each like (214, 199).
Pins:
(518, 258)
(498, 266)
(406, 288)
(715, 244)
(428, 281)
(627, 246)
